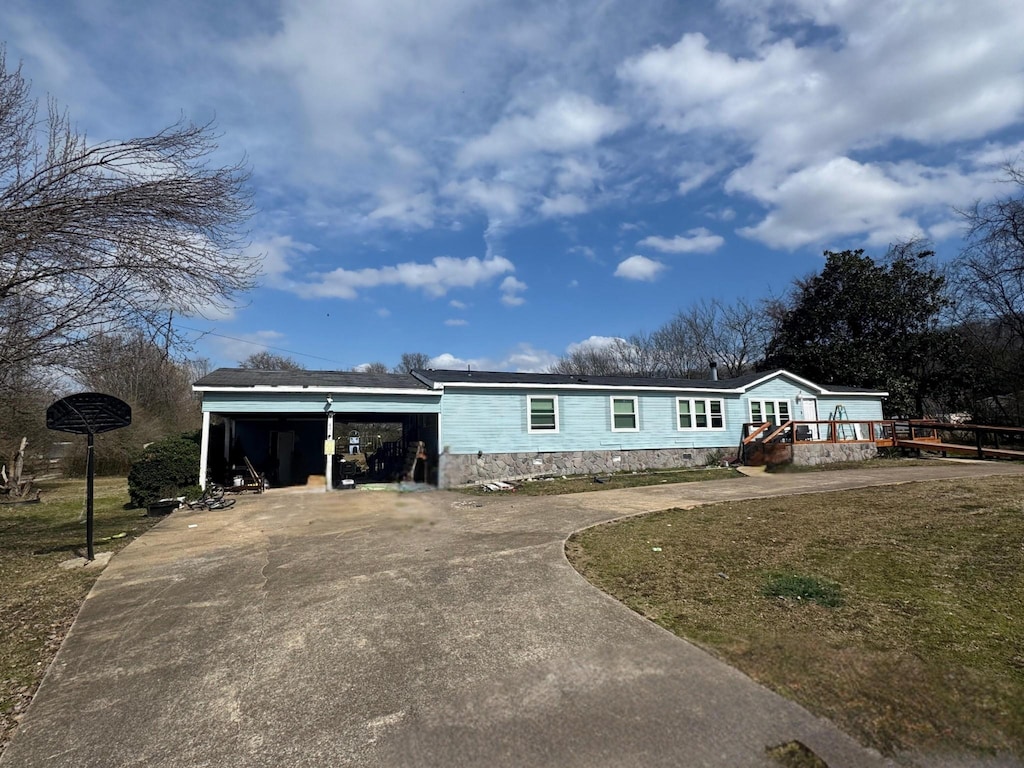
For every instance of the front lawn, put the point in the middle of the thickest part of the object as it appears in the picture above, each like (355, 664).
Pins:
(896, 612)
(39, 600)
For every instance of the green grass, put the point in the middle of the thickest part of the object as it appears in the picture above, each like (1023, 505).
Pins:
(38, 600)
(555, 486)
(925, 651)
(795, 586)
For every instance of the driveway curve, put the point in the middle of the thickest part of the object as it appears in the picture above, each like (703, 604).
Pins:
(420, 629)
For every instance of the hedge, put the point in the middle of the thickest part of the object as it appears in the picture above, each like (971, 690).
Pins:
(165, 469)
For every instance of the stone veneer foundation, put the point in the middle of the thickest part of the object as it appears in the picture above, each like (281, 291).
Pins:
(830, 453)
(469, 469)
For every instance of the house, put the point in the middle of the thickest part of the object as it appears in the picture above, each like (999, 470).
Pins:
(485, 425)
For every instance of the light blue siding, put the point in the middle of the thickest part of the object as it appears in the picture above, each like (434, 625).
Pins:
(316, 402)
(496, 420)
(857, 408)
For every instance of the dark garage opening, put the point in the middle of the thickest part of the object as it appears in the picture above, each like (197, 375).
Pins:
(288, 449)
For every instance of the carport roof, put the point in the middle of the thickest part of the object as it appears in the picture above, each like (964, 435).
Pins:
(249, 378)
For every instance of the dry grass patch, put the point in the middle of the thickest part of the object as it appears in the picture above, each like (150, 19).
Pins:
(923, 650)
(38, 600)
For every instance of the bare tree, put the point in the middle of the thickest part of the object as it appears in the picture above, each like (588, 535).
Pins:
(990, 300)
(139, 370)
(993, 261)
(591, 360)
(372, 368)
(102, 238)
(268, 361)
(639, 355)
(734, 336)
(412, 361)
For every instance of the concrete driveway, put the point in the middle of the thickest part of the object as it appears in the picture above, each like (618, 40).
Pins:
(383, 629)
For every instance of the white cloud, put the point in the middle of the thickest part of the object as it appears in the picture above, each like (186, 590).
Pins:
(501, 201)
(522, 358)
(996, 156)
(403, 208)
(435, 279)
(448, 361)
(638, 267)
(510, 290)
(693, 175)
(596, 343)
(698, 240)
(923, 73)
(562, 205)
(456, 322)
(583, 250)
(456, 304)
(945, 230)
(569, 123)
(577, 174)
(279, 253)
(525, 358)
(842, 197)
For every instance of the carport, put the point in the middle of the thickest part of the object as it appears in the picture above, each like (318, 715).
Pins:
(283, 423)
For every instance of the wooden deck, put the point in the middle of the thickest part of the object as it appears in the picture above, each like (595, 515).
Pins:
(906, 434)
(973, 450)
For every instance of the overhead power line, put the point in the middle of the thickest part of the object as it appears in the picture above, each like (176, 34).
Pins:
(260, 344)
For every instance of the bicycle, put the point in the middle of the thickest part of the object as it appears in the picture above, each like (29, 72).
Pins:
(212, 498)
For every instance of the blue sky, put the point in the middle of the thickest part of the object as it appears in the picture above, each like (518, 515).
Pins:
(491, 183)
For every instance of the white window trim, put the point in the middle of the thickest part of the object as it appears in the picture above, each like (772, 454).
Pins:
(693, 415)
(763, 400)
(636, 413)
(529, 415)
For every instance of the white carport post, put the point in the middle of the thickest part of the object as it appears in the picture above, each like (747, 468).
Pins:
(204, 450)
(329, 454)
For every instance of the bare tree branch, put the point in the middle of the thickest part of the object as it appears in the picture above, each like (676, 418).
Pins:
(106, 238)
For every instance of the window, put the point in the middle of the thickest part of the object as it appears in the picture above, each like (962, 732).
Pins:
(700, 414)
(624, 418)
(543, 413)
(775, 411)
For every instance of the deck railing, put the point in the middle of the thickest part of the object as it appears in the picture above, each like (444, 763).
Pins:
(908, 434)
(881, 432)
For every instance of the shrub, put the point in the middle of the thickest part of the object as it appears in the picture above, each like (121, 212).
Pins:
(165, 469)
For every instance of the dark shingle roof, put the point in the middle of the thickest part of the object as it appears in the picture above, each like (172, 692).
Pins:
(625, 382)
(240, 378)
(502, 377)
(248, 377)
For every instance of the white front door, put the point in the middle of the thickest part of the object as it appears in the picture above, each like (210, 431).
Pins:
(810, 413)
